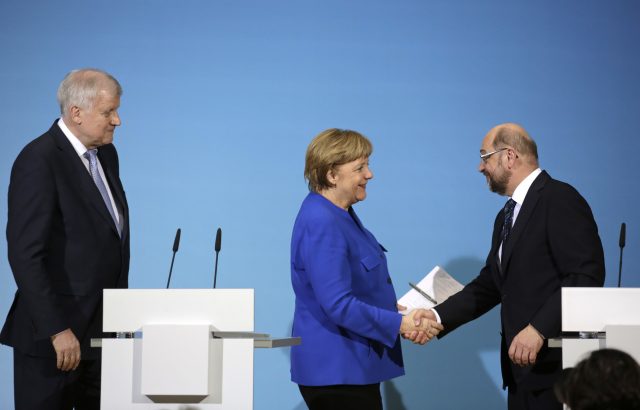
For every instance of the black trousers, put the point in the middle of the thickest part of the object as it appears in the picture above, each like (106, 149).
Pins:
(39, 385)
(543, 399)
(342, 396)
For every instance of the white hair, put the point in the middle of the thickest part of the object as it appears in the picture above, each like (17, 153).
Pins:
(80, 88)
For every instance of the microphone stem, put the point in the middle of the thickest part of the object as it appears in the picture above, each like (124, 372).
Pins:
(171, 269)
(620, 268)
(215, 272)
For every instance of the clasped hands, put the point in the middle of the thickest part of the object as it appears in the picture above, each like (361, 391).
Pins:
(419, 325)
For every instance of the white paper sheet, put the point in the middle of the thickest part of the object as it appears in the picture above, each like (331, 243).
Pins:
(438, 284)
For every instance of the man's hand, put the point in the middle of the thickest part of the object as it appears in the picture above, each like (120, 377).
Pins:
(525, 346)
(67, 350)
(420, 326)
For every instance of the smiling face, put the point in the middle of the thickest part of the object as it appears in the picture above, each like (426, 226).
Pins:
(350, 183)
(492, 168)
(94, 126)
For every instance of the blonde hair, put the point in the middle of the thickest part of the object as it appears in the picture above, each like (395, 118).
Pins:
(329, 149)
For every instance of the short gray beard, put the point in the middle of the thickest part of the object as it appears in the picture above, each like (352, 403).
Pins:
(498, 184)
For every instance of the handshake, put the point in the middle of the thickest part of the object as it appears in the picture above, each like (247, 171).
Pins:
(419, 325)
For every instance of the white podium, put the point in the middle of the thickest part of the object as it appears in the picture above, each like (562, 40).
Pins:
(192, 349)
(595, 318)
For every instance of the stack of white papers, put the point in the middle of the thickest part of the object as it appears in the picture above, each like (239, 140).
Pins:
(437, 284)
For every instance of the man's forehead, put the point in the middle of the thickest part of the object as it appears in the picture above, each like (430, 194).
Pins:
(106, 97)
(487, 142)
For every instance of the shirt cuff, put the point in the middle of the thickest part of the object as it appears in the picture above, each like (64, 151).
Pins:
(435, 312)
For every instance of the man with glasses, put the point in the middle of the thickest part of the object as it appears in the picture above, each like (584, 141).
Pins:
(545, 238)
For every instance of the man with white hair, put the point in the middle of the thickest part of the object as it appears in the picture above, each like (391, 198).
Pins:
(68, 239)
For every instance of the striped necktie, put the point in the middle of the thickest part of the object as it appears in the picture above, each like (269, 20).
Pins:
(91, 155)
(508, 219)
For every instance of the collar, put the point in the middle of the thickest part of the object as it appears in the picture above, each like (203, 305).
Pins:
(523, 187)
(75, 142)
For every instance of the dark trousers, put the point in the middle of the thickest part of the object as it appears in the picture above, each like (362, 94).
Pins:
(342, 396)
(39, 385)
(544, 399)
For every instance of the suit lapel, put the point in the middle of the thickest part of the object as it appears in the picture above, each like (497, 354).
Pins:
(79, 173)
(528, 206)
(494, 260)
(368, 235)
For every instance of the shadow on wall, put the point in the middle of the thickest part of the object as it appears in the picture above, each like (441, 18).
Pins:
(449, 373)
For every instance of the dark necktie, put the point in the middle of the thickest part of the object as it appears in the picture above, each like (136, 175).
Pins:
(95, 174)
(508, 219)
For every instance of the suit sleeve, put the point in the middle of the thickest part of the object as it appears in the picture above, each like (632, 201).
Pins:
(576, 250)
(32, 212)
(474, 300)
(324, 249)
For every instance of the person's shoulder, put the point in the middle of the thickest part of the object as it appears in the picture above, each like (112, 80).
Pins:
(561, 187)
(556, 190)
(40, 147)
(316, 211)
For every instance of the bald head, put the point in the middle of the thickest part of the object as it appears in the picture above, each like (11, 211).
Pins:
(508, 155)
(515, 136)
(80, 87)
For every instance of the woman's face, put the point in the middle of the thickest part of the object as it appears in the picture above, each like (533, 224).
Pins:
(350, 182)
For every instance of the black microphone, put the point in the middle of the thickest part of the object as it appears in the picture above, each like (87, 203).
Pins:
(217, 248)
(622, 243)
(176, 244)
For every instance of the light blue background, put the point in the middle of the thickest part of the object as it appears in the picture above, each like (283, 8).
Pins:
(222, 97)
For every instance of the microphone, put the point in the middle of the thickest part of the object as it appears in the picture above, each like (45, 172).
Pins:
(622, 242)
(217, 248)
(176, 244)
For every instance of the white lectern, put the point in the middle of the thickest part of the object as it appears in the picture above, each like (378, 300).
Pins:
(192, 347)
(599, 318)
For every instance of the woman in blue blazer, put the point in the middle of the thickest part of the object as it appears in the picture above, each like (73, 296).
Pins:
(345, 309)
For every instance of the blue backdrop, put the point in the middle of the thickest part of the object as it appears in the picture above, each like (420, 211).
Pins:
(222, 97)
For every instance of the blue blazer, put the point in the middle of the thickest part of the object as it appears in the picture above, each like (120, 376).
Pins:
(345, 308)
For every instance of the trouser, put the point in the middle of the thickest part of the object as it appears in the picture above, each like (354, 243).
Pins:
(342, 396)
(543, 399)
(40, 385)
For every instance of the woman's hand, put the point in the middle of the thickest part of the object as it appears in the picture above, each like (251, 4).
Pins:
(420, 326)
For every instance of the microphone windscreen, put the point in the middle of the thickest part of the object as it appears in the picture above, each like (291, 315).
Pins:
(623, 235)
(176, 242)
(218, 240)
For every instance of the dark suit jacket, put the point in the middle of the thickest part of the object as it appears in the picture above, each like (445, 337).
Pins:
(63, 245)
(554, 243)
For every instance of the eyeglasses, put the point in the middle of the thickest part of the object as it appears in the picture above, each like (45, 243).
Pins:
(485, 157)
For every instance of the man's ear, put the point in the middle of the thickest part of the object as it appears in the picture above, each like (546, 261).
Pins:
(74, 114)
(512, 155)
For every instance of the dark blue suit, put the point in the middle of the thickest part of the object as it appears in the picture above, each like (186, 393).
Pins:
(64, 249)
(345, 308)
(554, 243)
